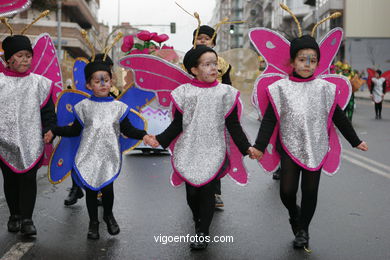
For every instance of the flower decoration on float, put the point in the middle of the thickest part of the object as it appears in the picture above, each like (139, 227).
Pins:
(150, 43)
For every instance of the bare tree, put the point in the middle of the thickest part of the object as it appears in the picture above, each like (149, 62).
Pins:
(371, 53)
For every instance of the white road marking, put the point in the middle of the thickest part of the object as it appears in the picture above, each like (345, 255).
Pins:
(371, 168)
(17, 251)
(361, 157)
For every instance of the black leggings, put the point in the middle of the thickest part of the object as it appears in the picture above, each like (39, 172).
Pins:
(202, 203)
(289, 181)
(218, 181)
(108, 201)
(218, 187)
(74, 184)
(378, 109)
(20, 190)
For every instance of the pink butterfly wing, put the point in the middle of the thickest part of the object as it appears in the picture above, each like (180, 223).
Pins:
(386, 75)
(176, 180)
(271, 158)
(344, 88)
(276, 51)
(12, 7)
(371, 74)
(343, 92)
(274, 48)
(261, 86)
(45, 62)
(237, 170)
(47, 151)
(333, 158)
(329, 46)
(155, 74)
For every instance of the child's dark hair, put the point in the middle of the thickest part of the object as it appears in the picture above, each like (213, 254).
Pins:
(207, 30)
(13, 44)
(191, 59)
(304, 42)
(92, 67)
(100, 57)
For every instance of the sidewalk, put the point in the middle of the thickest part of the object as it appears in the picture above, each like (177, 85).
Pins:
(365, 94)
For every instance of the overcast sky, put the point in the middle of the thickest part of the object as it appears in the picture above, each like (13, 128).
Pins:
(159, 12)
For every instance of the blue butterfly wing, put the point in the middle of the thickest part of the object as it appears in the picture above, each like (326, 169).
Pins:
(79, 80)
(135, 98)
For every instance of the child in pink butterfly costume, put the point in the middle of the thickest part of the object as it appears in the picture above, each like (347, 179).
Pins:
(27, 113)
(204, 109)
(301, 104)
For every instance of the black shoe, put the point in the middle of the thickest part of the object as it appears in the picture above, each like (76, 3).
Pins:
(27, 228)
(14, 223)
(376, 117)
(218, 201)
(112, 225)
(201, 242)
(276, 175)
(93, 230)
(294, 221)
(74, 194)
(380, 117)
(301, 239)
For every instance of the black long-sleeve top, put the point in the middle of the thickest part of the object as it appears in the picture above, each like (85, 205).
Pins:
(226, 77)
(232, 124)
(269, 121)
(48, 116)
(75, 129)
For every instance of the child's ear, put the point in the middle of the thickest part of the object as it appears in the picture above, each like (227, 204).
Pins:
(9, 60)
(89, 86)
(194, 70)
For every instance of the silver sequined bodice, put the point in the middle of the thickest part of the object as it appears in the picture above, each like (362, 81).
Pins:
(98, 158)
(303, 108)
(21, 141)
(201, 148)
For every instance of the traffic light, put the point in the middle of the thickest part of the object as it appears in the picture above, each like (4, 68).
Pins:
(310, 2)
(173, 27)
(231, 29)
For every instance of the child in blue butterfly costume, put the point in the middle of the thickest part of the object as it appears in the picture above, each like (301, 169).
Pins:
(99, 119)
